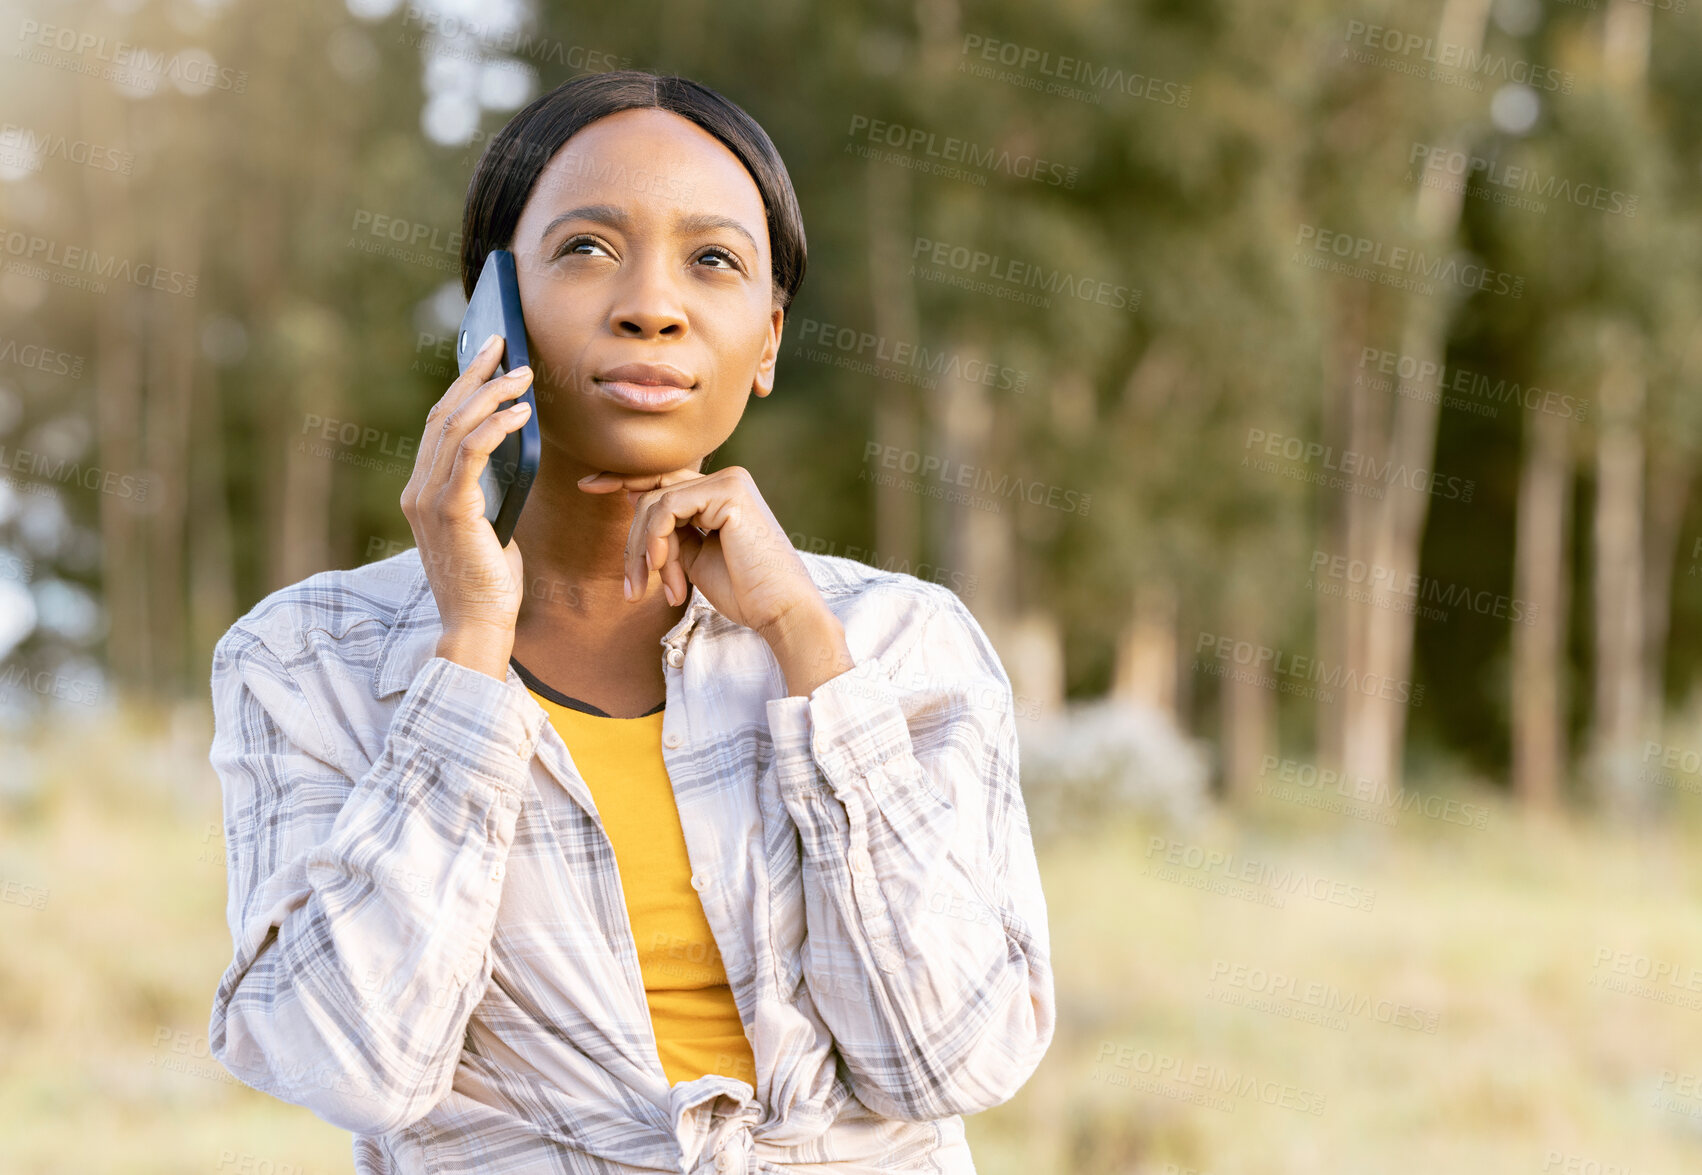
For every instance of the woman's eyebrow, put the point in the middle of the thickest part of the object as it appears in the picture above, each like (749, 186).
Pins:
(704, 221)
(617, 217)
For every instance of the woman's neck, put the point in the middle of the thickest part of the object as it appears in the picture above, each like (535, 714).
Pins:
(574, 615)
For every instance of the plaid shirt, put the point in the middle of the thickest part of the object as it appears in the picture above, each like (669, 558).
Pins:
(432, 949)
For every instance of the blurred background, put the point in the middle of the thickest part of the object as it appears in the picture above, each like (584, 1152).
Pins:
(1302, 396)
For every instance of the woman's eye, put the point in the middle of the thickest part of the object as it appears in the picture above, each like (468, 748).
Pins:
(718, 251)
(573, 243)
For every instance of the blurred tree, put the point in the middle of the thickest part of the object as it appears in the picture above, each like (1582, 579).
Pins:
(1205, 141)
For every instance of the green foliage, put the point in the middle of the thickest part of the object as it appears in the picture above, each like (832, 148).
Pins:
(1240, 123)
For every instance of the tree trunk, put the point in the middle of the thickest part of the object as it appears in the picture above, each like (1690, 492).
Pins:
(1031, 646)
(1671, 472)
(212, 557)
(1342, 416)
(314, 338)
(1248, 710)
(897, 509)
(118, 401)
(1375, 714)
(961, 423)
(1374, 726)
(1621, 708)
(1617, 532)
(1541, 581)
(266, 238)
(172, 367)
(1145, 672)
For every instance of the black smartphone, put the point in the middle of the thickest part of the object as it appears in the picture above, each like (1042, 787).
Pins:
(494, 309)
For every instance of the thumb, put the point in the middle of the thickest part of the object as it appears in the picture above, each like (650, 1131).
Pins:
(691, 545)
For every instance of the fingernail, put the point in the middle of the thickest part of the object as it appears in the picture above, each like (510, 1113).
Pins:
(485, 346)
(520, 372)
(626, 586)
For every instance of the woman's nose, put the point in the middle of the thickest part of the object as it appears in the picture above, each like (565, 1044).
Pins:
(648, 304)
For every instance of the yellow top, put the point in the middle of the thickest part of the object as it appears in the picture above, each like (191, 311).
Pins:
(692, 1012)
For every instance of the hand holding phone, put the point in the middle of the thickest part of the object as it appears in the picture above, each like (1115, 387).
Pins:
(495, 309)
(476, 582)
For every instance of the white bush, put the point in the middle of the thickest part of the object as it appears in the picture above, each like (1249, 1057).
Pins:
(1094, 759)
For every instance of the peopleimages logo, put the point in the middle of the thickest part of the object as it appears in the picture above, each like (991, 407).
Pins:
(46, 258)
(1411, 585)
(1479, 394)
(1528, 180)
(881, 355)
(1464, 58)
(46, 468)
(25, 148)
(1281, 879)
(1215, 1079)
(1289, 670)
(1297, 778)
(1284, 993)
(449, 27)
(977, 480)
(1398, 265)
(193, 67)
(39, 358)
(1021, 59)
(1345, 469)
(1010, 272)
(949, 149)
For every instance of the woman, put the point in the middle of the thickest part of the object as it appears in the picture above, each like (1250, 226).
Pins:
(670, 848)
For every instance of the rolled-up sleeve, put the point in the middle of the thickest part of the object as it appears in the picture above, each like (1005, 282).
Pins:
(927, 950)
(361, 910)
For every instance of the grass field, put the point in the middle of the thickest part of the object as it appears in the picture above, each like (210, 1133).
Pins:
(1288, 991)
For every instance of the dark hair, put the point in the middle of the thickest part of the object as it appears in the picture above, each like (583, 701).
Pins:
(509, 168)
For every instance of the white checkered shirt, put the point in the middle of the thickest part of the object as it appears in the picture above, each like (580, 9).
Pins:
(432, 948)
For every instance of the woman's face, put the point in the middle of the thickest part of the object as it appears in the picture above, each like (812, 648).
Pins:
(644, 242)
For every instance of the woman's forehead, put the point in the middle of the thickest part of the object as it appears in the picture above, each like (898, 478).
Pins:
(659, 171)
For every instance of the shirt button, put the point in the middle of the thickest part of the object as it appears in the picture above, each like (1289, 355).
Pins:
(698, 881)
(671, 739)
(676, 656)
(860, 859)
(723, 1161)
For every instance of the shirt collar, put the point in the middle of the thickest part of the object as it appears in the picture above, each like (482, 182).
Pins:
(413, 635)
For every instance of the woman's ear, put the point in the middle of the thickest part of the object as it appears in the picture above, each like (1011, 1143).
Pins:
(764, 382)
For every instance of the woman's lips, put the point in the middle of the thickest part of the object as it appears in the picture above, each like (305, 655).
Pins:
(643, 397)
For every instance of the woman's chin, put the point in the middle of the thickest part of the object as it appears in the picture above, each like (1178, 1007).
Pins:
(649, 464)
